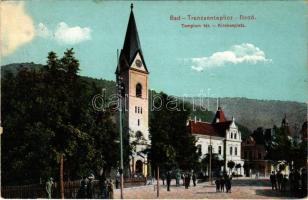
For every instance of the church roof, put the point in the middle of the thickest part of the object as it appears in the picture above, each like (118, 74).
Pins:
(217, 128)
(205, 128)
(131, 43)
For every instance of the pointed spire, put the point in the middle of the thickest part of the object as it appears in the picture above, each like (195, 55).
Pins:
(131, 45)
(131, 42)
(284, 121)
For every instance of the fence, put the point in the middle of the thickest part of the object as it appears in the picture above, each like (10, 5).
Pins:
(70, 189)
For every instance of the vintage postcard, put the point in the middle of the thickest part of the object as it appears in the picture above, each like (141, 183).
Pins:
(153, 99)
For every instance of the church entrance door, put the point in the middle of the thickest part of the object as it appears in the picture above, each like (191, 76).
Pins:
(139, 167)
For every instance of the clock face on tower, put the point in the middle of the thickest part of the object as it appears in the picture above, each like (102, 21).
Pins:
(138, 63)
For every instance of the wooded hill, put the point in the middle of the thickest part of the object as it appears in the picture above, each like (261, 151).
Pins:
(249, 113)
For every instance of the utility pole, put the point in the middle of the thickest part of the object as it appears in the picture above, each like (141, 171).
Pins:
(120, 88)
(61, 177)
(210, 173)
(157, 181)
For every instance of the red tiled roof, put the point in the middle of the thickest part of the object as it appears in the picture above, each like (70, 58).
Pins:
(205, 128)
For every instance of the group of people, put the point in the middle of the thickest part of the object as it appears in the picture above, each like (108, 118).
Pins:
(186, 179)
(86, 190)
(297, 181)
(223, 182)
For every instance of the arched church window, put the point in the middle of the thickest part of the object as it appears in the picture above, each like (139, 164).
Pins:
(231, 151)
(235, 151)
(138, 122)
(234, 135)
(135, 109)
(141, 110)
(138, 90)
(231, 135)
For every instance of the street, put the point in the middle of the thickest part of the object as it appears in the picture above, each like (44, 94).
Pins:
(243, 188)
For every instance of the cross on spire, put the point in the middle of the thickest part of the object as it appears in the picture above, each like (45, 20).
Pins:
(131, 6)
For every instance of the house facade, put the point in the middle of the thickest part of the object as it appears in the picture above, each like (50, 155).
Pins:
(254, 153)
(222, 135)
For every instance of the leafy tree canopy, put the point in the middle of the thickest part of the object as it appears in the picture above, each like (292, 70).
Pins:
(47, 112)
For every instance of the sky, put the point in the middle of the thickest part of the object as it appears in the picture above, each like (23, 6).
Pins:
(267, 59)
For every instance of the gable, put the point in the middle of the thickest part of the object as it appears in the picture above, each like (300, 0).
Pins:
(137, 60)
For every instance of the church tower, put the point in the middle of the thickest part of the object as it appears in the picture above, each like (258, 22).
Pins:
(132, 75)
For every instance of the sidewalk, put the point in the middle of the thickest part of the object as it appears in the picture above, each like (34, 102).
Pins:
(244, 188)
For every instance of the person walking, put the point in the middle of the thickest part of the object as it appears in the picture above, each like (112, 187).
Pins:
(168, 181)
(222, 184)
(194, 179)
(279, 179)
(48, 187)
(177, 179)
(304, 182)
(296, 182)
(187, 180)
(90, 187)
(110, 189)
(228, 184)
(273, 180)
(284, 183)
(291, 180)
(117, 180)
(103, 186)
(82, 192)
(217, 183)
(163, 178)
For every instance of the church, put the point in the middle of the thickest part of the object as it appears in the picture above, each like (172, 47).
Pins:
(224, 138)
(132, 75)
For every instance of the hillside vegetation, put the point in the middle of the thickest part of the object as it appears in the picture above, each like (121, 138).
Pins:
(249, 113)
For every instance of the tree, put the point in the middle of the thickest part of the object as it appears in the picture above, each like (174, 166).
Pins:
(238, 166)
(47, 112)
(285, 148)
(171, 145)
(217, 162)
(230, 165)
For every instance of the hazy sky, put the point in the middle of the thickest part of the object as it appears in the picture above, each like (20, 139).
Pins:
(265, 60)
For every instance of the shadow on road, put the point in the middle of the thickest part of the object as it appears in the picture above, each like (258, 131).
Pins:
(205, 192)
(251, 182)
(271, 193)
